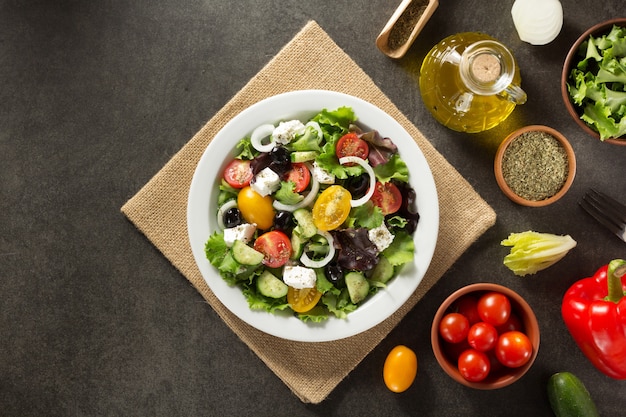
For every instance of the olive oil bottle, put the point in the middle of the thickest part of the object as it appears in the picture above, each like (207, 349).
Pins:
(470, 82)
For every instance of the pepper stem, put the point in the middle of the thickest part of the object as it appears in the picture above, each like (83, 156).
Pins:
(615, 272)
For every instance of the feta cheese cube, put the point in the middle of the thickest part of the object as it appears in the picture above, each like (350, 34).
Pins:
(299, 277)
(381, 237)
(322, 176)
(243, 232)
(265, 182)
(285, 132)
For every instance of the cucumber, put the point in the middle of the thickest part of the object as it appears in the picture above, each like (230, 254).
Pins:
(297, 246)
(569, 397)
(303, 156)
(271, 286)
(245, 254)
(383, 271)
(306, 228)
(358, 287)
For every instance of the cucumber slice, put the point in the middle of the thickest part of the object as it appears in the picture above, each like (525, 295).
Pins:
(297, 246)
(245, 254)
(303, 156)
(271, 286)
(358, 287)
(304, 218)
(383, 271)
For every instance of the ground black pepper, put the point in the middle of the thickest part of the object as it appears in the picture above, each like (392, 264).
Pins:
(403, 28)
(535, 165)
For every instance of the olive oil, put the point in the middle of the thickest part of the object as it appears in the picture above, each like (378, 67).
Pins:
(470, 82)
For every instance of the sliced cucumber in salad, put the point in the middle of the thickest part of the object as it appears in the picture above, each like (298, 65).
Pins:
(315, 210)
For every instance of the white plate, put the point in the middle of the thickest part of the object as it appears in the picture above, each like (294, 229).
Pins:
(202, 209)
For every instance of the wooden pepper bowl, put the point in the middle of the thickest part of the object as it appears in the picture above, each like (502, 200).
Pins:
(571, 157)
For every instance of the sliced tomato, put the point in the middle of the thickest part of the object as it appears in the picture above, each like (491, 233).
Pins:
(352, 145)
(303, 299)
(300, 175)
(387, 196)
(238, 173)
(276, 247)
(331, 208)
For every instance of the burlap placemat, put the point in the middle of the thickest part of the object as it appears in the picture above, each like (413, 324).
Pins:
(159, 211)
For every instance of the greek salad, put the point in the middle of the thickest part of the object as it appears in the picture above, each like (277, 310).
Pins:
(314, 217)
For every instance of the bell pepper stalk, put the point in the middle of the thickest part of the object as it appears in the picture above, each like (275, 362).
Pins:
(594, 311)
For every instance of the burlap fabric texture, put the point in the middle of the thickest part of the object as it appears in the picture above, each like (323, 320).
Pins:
(159, 211)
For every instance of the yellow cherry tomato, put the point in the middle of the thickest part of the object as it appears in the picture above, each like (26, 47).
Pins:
(255, 208)
(303, 299)
(400, 369)
(331, 208)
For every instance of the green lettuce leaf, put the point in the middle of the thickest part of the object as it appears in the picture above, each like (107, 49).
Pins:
(532, 251)
(401, 249)
(286, 193)
(394, 168)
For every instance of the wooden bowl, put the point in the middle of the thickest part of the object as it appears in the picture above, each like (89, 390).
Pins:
(574, 110)
(509, 192)
(503, 376)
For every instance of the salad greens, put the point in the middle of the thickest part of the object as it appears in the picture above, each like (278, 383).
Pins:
(532, 251)
(598, 83)
(354, 247)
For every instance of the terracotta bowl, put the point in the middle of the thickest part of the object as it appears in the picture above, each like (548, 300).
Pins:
(500, 376)
(508, 191)
(574, 110)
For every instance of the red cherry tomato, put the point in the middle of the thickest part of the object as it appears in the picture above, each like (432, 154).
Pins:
(468, 306)
(387, 196)
(299, 175)
(513, 323)
(454, 350)
(482, 336)
(496, 365)
(276, 247)
(453, 327)
(238, 173)
(351, 145)
(514, 349)
(494, 308)
(473, 365)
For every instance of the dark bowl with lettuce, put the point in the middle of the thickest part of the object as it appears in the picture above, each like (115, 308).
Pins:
(593, 82)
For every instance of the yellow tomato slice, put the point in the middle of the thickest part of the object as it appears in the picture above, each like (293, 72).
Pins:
(255, 208)
(303, 299)
(331, 208)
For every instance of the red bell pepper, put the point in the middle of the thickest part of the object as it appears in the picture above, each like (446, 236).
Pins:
(594, 311)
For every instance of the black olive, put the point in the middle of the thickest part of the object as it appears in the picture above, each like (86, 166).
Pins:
(357, 185)
(281, 160)
(334, 274)
(232, 217)
(283, 221)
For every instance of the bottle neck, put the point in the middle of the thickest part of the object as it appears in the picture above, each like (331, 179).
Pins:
(487, 67)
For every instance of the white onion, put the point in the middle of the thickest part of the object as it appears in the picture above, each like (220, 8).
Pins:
(370, 171)
(537, 22)
(220, 213)
(306, 261)
(317, 128)
(308, 199)
(261, 133)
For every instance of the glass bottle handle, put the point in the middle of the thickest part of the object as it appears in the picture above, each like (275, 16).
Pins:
(514, 93)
